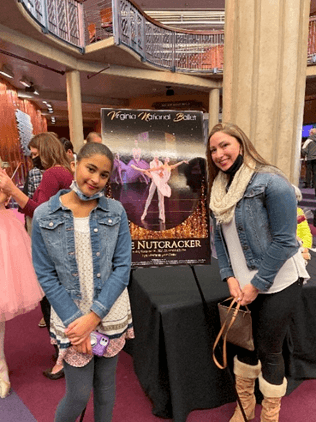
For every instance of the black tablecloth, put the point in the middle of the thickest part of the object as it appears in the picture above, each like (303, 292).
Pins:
(172, 349)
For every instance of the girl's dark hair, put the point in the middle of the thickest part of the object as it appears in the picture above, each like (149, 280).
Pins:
(90, 149)
(67, 144)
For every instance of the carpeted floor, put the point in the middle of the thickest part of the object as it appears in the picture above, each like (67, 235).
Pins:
(34, 398)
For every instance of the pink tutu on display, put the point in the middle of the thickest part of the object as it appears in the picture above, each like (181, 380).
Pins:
(20, 290)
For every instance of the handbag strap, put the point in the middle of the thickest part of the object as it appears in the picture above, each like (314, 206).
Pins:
(223, 327)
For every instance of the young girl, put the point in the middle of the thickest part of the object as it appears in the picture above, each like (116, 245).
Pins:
(19, 289)
(82, 254)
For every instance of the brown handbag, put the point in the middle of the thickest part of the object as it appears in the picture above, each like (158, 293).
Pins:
(236, 328)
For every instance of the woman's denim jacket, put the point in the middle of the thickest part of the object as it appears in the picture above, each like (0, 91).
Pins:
(54, 257)
(266, 220)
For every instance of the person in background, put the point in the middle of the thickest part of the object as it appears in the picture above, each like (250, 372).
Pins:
(20, 291)
(69, 148)
(94, 137)
(32, 182)
(33, 178)
(309, 150)
(254, 209)
(304, 234)
(83, 262)
(57, 175)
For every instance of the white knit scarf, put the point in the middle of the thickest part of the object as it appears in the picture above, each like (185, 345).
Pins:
(223, 203)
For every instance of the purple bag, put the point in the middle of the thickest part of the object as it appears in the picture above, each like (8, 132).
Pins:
(99, 343)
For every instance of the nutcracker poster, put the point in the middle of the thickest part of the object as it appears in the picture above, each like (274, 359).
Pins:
(159, 176)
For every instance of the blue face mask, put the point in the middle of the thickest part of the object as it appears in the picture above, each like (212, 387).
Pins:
(74, 186)
(82, 196)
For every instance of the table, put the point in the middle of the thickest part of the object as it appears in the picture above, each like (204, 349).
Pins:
(172, 349)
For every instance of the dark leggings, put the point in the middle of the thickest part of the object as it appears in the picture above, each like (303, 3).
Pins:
(271, 315)
(45, 306)
(98, 374)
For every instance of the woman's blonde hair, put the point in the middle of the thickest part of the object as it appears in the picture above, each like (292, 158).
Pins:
(51, 150)
(247, 149)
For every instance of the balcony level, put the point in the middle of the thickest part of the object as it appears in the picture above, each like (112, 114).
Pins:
(85, 25)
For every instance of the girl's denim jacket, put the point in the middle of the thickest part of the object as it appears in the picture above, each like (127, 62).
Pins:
(54, 257)
(266, 220)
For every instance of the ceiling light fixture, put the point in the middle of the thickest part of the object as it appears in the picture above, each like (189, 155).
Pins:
(25, 82)
(31, 89)
(5, 71)
(23, 94)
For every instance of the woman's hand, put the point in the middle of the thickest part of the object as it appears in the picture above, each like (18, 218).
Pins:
(249, 294)
(234, 288)
(80, 329)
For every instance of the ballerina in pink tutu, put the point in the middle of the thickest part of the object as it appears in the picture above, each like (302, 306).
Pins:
(20, 291)
(160, 174)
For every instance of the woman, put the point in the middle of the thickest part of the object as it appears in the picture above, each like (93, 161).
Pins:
(254, 207)
(57, 175)
(33, 178)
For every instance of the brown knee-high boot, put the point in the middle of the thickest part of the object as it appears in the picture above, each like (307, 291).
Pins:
(271, 402)
(245, 377)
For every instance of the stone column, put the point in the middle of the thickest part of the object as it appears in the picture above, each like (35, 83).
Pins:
(213, 108)
(74, 108)
(265, 58)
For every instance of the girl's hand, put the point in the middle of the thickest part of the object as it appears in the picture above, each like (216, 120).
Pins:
(249, 294)
(234, 288)
(84, 347)
(79, 330)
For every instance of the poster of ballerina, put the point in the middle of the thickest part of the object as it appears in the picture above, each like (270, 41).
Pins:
(159, 177)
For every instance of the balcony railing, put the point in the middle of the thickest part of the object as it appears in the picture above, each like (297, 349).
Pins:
(80, 24)
(62, 18)
(311, 50)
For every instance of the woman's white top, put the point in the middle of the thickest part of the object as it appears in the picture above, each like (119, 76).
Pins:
(290, 271)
